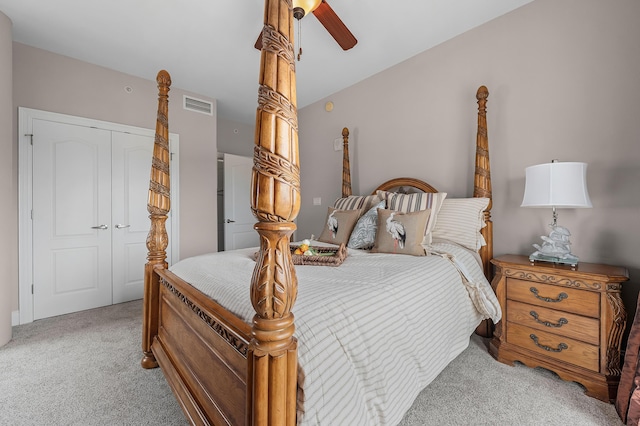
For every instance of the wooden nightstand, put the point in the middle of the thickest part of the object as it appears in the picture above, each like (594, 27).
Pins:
(568, 321)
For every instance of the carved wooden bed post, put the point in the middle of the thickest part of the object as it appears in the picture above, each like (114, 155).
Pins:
(482, 188)
(482, 178)
(275, 202)
(158, 205)
(346, 165)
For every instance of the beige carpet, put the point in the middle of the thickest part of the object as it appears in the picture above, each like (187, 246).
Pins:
(84, 369)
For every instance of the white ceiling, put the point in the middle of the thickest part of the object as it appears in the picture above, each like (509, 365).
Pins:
(207, 46)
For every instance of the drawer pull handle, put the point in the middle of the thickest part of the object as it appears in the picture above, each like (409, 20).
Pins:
(561, 346)
(560, 298)
(561, 321)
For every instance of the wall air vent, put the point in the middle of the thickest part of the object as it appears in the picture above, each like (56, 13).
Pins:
(198, 105)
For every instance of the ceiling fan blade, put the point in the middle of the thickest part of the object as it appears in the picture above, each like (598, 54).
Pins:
(258, 44)
(335, 26)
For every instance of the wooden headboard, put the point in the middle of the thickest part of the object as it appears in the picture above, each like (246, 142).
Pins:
(405, 185)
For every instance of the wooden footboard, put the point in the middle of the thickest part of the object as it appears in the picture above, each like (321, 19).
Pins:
(202, 350)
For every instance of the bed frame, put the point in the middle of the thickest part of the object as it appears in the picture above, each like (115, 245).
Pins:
(221, 369)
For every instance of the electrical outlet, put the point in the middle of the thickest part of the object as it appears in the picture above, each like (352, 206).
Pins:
(337, 144)
(317, 201)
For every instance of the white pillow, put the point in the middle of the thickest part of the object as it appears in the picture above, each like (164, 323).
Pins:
(460, 220)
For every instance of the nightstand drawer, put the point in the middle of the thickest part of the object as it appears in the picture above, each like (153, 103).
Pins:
(553, 346)
(554, 321)
(554, 297)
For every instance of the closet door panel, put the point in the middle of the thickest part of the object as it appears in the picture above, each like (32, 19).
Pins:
(71, 218)
(131, 160)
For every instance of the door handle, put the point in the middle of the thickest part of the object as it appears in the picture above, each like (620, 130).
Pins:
(120, 226)
(230, 221)
(100, 227)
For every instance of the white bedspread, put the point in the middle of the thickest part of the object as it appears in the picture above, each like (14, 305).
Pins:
(373, 332)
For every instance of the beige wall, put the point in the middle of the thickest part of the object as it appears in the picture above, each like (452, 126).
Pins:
(47, 81)
(564, 83)
(235, 137)
(8, 180)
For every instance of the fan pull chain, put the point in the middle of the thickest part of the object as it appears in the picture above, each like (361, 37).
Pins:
(299, 39)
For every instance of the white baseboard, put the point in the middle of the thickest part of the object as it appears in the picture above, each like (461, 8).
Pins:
(15, 318)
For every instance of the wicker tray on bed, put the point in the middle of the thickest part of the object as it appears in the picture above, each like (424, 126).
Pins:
(329, 256)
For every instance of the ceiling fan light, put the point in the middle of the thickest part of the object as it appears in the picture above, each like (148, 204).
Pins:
(307, 5)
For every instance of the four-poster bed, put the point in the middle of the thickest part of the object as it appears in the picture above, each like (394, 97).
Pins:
(225, 368)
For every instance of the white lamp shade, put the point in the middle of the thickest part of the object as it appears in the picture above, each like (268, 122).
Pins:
(562, 185)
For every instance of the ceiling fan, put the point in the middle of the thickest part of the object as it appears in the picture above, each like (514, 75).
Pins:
(327, 17)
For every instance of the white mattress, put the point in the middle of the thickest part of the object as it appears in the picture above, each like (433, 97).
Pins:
(372, 333)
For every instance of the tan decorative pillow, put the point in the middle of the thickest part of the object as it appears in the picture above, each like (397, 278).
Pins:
(338, 226)
(401, 233)
(416, 201)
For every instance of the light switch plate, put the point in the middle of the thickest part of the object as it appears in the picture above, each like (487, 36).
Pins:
(337, 144)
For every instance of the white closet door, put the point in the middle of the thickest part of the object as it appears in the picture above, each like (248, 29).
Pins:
(238, 219)
(71, 225)
(131, 160)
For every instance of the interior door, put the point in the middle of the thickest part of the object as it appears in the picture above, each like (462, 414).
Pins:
(238, 219)
(131, 163)
(71, 227)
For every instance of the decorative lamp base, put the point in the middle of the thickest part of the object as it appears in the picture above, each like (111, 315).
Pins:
(555, 248)
(568, 259)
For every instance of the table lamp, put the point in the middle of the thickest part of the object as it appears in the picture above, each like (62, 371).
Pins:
(556, 185)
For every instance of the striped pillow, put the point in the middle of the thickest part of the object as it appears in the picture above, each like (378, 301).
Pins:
(415, 202)
(356, 202)
(460, 220)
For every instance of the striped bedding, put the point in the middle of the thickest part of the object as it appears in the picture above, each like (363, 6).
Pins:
(373, 332)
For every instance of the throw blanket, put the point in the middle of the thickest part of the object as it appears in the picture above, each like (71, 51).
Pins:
(372, 333)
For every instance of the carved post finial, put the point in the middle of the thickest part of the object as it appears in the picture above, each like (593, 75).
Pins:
(159, 200)
(346, 168)
(482, 180)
